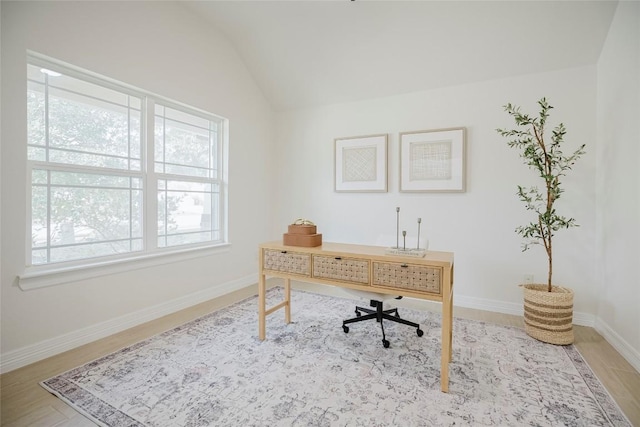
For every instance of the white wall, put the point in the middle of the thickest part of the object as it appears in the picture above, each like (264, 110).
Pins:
(618, 183)
(478, 225)
(165, 49)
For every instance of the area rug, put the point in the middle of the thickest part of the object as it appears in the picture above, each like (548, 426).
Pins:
(214, 371)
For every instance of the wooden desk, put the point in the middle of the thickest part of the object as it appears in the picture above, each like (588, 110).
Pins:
(366, 268)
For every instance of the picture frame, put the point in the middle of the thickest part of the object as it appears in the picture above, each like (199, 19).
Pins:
(433, 160)
(361, 163)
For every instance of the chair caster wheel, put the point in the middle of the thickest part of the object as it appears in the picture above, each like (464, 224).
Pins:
(420, 332)
(358, 314)
(345, 329)
(385, 343)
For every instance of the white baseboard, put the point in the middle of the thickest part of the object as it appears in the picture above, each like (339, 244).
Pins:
(50, 347)
(44, 349)
(629, 353)
(488, 305)
(579, 318)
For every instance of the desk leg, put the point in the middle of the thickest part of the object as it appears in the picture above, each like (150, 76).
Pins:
(450, 328)
(444, 365)
(262, 290)
(287, 298)
(445, 357)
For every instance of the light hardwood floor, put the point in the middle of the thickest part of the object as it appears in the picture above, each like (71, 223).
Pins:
(25, 403)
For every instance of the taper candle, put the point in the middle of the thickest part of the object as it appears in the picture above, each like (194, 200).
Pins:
(398, 227)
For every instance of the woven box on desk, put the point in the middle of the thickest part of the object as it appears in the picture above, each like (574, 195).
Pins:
(305, 240)
(302, 233)
(302, 229)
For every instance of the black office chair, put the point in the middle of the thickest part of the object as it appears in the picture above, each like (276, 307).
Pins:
(379, 314)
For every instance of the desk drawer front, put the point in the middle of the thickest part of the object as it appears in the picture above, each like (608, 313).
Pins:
(343, 269)
(287, 262)
(417, 278)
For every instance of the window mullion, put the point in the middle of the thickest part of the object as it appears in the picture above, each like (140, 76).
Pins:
(46, 117)
(131, 202)
(222, 136)
(48, 215)
(151, 179)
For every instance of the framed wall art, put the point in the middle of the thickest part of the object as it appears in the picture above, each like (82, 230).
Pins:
(361, 163)
(433, 160)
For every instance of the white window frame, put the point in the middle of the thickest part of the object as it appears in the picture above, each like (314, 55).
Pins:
(41, 275)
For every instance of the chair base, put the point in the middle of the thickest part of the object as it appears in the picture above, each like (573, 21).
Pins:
(379, 314)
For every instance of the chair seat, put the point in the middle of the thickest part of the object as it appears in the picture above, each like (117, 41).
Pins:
(368, 295)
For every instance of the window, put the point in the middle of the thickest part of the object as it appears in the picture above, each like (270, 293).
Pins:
(186, 164)
(116, 172)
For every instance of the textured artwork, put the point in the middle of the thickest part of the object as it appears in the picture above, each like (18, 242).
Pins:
(433, 160)
(214, 371)
(361, 163)
(430, 160)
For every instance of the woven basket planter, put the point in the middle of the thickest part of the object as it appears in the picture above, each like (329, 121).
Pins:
(548, 316)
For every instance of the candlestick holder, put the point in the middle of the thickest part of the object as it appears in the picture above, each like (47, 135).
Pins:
(404, 251)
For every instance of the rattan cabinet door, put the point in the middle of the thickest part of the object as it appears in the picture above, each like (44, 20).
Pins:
(287, 262)
(419, 278)
(342, 269)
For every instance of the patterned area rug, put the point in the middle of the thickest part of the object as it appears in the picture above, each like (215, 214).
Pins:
(214, 371)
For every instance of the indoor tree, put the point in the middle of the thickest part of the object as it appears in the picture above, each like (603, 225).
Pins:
(544, 156)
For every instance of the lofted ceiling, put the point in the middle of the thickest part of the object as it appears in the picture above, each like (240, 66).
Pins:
(310, 53)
